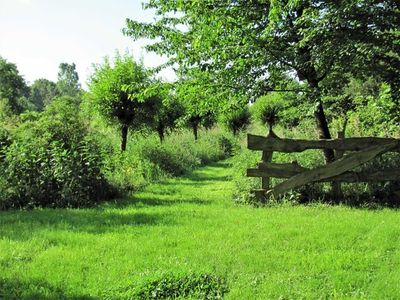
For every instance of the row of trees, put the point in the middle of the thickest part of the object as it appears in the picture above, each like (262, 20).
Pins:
(127, 95)
(19, 96)
(249, 48)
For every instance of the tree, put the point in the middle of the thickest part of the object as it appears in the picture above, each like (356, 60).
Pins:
(268, 110)
(13, 88)
(42, 92)
(118, 89)
(68, 80)
(200, 104)
(250, 46)
(236, 119)
(168, 109)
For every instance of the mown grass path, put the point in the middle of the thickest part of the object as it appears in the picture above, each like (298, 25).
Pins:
(190, 225)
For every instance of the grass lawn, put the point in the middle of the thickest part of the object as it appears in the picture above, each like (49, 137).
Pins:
(190, 226)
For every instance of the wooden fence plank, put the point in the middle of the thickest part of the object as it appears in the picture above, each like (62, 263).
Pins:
(276, 170)
(256, 142)
(349, 177)
(353, 177)
(333, 169)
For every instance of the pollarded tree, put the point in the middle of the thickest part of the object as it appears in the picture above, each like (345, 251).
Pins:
(118, 90)
(236, 119)
(268, 109)
(200, 104)
(168, 110)
(248, 45)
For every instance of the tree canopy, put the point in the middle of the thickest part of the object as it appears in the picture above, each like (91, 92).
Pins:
(42, 92)
(250, 47)
(13, 88)
(118, 89)
(68, 80)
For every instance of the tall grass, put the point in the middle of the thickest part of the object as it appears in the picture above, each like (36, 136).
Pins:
(185, 235)
(148, 160)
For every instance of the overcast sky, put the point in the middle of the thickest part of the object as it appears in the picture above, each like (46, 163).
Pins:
(37, 35)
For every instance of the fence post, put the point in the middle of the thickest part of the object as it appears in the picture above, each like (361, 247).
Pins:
(337, 186)
(265, 181)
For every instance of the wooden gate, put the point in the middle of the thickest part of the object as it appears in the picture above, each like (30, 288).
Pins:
(364, 150)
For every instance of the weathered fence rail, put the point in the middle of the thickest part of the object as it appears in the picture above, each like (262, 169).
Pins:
(256, 142)
(364, 150)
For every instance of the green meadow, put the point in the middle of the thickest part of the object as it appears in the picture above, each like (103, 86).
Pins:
(186, 226)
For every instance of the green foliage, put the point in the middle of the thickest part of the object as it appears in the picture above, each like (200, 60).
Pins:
(236, 120)
(6, 112)
(42, 92)
(118, 93)
(242, 41)
(374, 115)
(200, 94)
(198, 286)
(243, 185)
(269, 108)
(53, 162)
(68, 80)
(147, 160)
(167, 109)
(13, 88)
(5, 139)
(42, 175)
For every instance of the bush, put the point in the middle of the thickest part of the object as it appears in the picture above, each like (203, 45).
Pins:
(193, 286)
(37, 174)
(5, 141)
(53, 162)
(242, 185)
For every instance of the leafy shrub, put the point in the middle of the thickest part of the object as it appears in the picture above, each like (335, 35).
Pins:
(194, 286)
(242, 184)
(53, 162)
(5, 141)
(37, 174)
(372, 116)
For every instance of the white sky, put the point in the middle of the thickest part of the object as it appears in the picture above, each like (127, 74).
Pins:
(37, 35)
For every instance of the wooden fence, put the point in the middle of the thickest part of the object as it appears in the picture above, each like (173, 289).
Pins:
(364, 150)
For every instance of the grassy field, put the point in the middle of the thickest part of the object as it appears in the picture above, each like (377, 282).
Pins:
(190, 226)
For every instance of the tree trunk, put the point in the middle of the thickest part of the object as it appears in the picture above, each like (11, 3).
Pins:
(124, 137)
(321, 121)
(195, 130)
(160, 130)
(323, 130)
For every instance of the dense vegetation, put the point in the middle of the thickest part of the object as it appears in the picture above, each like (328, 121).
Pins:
(173, 226)
(184, 237)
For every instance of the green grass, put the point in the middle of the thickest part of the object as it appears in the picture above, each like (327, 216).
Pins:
(190, 226)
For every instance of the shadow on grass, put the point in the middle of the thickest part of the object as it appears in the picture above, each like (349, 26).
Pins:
(20, 225)
(112, 216)
(154, 201)
(34, 289)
